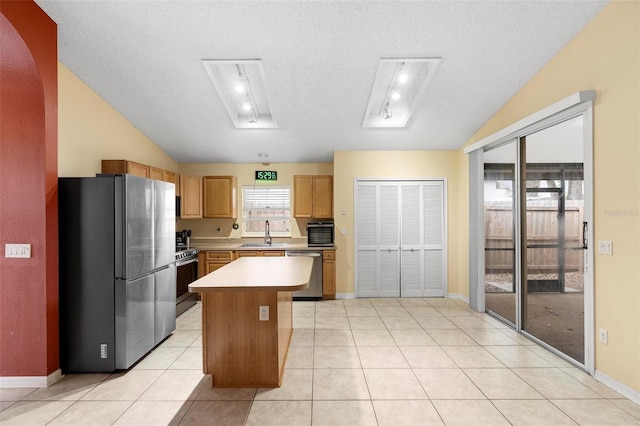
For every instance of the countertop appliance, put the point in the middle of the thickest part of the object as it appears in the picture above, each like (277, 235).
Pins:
(183, 239)
(320, 233)
(187, 272)
(314, 291)
(117, 270)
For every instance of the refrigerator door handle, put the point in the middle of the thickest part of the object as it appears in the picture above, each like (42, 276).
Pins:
(120, 242)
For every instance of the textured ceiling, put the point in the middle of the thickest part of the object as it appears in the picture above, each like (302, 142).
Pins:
(320, 60)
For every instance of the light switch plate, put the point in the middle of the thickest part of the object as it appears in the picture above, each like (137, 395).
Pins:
(17, 250)
(264, 313)
(605, 247)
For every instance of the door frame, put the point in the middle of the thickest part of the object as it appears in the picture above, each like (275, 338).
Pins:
(578, 104)
(445, 239)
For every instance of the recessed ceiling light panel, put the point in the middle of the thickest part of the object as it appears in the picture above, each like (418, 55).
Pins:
(398, 85)
(241, 85)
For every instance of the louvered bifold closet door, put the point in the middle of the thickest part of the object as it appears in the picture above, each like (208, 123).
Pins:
(389, 242)
(367, 240)
(434, 244)
(411, 244)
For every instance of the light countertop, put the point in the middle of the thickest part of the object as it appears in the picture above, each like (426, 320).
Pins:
(237, 246)
(258, 273)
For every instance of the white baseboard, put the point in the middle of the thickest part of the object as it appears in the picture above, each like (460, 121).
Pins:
(623, 389)
(458, 296)
(30, 381)
(449, 296)
(345, 296)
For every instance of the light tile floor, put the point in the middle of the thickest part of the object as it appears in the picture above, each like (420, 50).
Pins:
(351, 362)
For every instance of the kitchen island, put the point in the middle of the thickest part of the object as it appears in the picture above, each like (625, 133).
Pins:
(247, 318)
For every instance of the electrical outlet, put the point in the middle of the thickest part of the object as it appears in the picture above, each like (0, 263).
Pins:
(264, 313)
(604, 336)
(17, 250)
(103, 350)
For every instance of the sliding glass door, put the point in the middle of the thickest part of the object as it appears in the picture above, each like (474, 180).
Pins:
(499, 233)
(552, 173)
(534, 235)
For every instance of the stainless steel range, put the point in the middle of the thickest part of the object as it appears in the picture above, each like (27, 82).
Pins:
(187, 272)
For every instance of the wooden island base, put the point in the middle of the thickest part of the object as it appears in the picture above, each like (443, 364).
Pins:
(238, 348)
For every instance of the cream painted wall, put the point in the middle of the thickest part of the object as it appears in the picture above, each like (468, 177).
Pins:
(605, 57)
(90, 130)
(348, 165)
(207, 228)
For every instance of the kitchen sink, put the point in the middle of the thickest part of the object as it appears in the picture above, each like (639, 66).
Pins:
(262, 245)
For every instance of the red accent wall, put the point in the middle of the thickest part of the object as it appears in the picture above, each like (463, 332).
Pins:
(28, 190)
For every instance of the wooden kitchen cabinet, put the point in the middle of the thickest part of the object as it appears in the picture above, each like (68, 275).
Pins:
(125, 166)
(247, 253)
(138, 169)
(329, 274)
(155, 173)
(190, 197)
(302, 196)
(171, 177)
(313, 196)
(164, 175)
(322, 197)
(259, 253)
(216, 260)
(273, 253)
(220, 197)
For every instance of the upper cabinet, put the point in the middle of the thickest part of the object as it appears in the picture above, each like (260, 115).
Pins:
(302, 196)
(220, 197)
(322, 197)
(138, 169)
(172, 177)
(155, 173)
(313, 196)
(190, 197)
(125, 166)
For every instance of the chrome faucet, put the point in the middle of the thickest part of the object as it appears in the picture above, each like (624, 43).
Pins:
(267, 235)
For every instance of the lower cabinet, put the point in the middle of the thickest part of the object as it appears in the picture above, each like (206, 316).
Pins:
(329, 274)
(209, 261)
(261, 253)
(215, 259)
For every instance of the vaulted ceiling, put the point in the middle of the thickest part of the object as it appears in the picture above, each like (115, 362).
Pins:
(320, 60)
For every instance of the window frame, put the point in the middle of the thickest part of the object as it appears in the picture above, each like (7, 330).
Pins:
(273, 232)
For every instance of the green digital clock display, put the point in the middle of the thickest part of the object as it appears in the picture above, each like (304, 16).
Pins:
(266, 175)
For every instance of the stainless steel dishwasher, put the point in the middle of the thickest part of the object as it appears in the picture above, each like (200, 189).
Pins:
(314, 292)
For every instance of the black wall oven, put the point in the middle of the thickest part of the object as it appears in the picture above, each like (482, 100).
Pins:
(320, 233)
(187, 272)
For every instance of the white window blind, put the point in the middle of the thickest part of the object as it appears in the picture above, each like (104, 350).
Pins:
(262, 203)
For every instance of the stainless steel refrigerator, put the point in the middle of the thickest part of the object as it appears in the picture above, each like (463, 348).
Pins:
(117, 270)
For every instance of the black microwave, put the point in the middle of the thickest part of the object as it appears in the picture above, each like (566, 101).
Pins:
(320, 233)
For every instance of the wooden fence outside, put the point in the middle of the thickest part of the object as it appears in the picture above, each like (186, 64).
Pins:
(542, 228)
